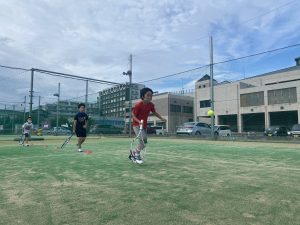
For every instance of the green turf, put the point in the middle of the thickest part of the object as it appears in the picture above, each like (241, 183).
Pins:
(181, 182)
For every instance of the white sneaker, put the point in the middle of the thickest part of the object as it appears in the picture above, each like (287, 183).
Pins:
(139, 161)
(79, 150)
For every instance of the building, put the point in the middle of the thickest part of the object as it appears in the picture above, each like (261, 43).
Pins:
(254, 103)
(112, 100)
(70, 108)
(175, 108)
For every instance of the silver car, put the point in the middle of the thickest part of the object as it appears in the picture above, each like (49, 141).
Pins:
(295, 132)
(194, 128)
(222, 130)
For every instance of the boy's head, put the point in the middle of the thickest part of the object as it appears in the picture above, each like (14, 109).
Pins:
(29, 119)
(81, 107)
(146, 94)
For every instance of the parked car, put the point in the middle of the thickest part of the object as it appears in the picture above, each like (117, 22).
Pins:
(59, 131)
(276, 131)
(222, 130)
(295, 132)
(105, 129)
(194, 128)
(159, 130)
(151, 130)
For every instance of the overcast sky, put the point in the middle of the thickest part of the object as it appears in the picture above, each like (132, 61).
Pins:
(95, 38)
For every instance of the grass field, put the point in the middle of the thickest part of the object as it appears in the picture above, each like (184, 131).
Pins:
(181, 182)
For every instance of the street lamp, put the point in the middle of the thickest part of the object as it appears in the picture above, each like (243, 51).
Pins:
(129, 73)
(57, 109)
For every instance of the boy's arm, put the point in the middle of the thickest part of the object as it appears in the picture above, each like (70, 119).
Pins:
(135, 118)
(74, 125)
(159, 116)
(86, 124)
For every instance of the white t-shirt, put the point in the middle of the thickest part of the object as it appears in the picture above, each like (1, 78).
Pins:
(27, 127)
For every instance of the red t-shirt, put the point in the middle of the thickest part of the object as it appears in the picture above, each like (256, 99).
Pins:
(141, 110)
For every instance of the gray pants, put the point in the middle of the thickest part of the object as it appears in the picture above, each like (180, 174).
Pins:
(143, 135)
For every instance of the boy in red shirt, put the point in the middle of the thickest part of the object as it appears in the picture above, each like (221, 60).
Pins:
(141, 112)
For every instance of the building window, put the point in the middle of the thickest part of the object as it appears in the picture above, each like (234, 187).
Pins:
(252, 99)
(187, 109)
(285, 95)
(175, 108)
(205, 104)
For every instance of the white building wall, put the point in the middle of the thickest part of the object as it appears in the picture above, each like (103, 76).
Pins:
(227, 96)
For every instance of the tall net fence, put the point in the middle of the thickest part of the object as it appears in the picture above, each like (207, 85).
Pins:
(251, 93)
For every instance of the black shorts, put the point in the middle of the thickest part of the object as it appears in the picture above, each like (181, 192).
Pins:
(81, 133)
(26, 135)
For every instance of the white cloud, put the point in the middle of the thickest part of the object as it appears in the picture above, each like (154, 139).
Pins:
(94, 38)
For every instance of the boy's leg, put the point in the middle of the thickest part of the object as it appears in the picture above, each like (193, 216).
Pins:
(142, 141)
(26, 139)
(80, 141)
(133, 151)
(81, 134)
(142, 145)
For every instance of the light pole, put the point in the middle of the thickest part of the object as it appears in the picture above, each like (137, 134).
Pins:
(57, 109)
(129, 73)
(211, 72)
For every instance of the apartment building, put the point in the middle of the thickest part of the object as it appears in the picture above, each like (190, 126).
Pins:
(112, 100)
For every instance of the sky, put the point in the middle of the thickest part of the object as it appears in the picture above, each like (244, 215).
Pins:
(94, 39)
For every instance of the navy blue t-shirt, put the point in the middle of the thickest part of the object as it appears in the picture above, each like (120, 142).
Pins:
(81, 117)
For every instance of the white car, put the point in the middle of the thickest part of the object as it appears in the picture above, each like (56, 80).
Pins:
(222, 130)
(159, 130)
(194, 128)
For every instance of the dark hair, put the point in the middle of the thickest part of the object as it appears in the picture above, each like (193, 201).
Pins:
(144, 91)
(81, 104)
(29, 117)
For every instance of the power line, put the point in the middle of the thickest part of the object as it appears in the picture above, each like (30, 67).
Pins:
(16, 74)
(206, 36)
(256, 54)
(175, 74)
(76, 77)
(14, 68)
(222, 62)
(268, 12)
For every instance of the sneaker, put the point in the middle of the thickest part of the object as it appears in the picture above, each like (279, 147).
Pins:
(79, 150)
(27, 145)
(138, 157)
(130, 157)
(139, 161)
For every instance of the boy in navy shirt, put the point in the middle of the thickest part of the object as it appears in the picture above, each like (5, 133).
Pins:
(80, 125)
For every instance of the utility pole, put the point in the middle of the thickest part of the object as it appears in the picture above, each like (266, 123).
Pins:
(31, 92)
(38, 119)
(86, 94)
(13, 120)
(130, 98)
(25, 108)
(57, 107)
(129, 73)
(212, 87)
